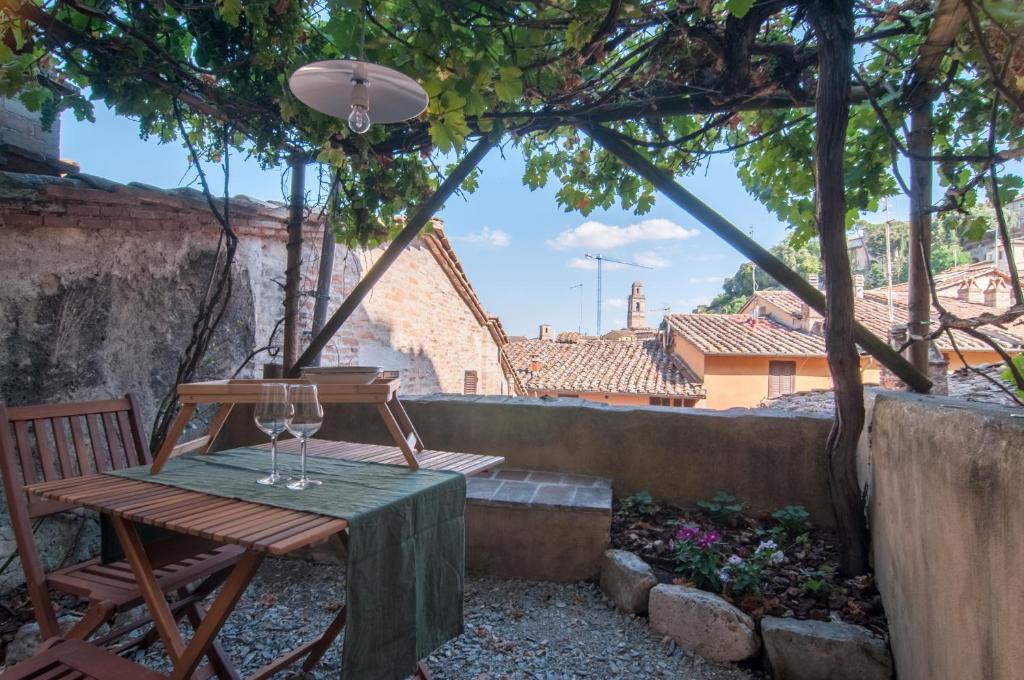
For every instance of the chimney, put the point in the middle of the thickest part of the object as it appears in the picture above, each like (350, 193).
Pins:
(545, 332)
(858, 286)
(970, 291)
(997, 294)
(812, 279)
(534, 365)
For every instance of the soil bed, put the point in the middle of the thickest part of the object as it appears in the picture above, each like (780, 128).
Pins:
(804, 586)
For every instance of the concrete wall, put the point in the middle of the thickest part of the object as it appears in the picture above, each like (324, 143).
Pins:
(614, 399)
(948, 528)
(767, 458)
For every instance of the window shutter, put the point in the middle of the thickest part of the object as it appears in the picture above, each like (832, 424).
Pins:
(781, 378)
(469, 382)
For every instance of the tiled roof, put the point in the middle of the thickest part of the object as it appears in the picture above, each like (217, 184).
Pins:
(949, 278)
(782, 299)
(611, 366)
(744, 334)
(873, 311)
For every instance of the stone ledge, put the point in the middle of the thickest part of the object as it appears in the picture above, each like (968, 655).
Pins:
(540, 489)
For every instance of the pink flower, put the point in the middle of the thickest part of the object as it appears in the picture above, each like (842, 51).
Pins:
(687, 533)
(707, 539)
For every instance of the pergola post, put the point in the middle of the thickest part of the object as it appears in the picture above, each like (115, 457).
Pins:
(735, 237)
(416, 221)
(296, 214)
(919, 143)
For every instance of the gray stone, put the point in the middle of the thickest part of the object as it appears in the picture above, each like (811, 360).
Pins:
(627, 580)
(703, 623)
(821, 650)
(28, 638)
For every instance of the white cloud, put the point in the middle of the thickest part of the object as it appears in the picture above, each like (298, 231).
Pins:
(490, 238)
(615, 303)
(591, 265)
(600, 236)
(649, 258)
(707, 279)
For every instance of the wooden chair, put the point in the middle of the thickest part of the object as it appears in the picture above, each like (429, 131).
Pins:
(77, 660)
(57, 441)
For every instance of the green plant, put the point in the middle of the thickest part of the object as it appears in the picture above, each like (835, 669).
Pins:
(745, 576)
(639, 503)
(793, 519)
(722, 506)
(1007, 375)
(818, 583)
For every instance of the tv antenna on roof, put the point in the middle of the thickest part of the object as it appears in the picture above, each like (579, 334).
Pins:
(580, 286)
(601, 259)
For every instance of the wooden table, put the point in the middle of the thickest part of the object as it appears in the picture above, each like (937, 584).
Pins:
(259, 529)
(382, 392)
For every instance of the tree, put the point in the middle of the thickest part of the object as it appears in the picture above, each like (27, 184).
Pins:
(737, 289)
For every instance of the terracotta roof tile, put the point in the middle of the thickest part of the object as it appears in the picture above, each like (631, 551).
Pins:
(873, 311)
(744, 334)
(612, 366)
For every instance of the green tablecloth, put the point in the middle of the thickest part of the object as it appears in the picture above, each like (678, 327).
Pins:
(406, 552)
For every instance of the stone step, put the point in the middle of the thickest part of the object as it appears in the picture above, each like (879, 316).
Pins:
(537, 525)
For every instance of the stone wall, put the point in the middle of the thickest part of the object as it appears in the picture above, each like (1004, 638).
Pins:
(768, 459)
(948, 532)
(99, 284)
(21, 128)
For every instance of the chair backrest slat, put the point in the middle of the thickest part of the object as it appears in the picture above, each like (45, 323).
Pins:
(128, 440)
(81, 454)
(60, 440)
(28, 468)
(104, 435)
(118, 459)
(39, 428)
(99, 455)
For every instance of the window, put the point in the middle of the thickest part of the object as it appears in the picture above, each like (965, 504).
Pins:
(665, 401)
(469, 382)
(781, 378)
(637, 307)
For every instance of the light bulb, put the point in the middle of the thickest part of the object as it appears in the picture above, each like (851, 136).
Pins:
(359, 119)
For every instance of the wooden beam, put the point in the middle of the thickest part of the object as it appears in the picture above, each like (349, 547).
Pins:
(412, 228)
(950, 16)
(775, 268)
(323, 283)
(296, 215)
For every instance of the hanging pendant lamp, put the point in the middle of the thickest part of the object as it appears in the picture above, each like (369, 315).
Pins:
(360, 91)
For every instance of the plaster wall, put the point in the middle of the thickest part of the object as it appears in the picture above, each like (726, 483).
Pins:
(769, 459)
(947, 522)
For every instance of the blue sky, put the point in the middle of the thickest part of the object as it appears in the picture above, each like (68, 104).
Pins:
(520, 250)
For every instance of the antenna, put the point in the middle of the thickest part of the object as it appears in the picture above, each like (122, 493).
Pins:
(580, 286)
(753, 267)
(601, 259)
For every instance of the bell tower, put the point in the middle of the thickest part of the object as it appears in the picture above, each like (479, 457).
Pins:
(637, 315)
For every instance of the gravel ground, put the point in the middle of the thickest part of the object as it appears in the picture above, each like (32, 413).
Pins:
(515, 630)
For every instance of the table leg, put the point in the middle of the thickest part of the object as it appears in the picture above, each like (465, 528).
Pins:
(218, 613)
(216, 424)
(177, 427)
(159, 610)
(399, 436)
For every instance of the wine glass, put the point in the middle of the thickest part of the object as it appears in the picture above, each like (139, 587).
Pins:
(270, 414)
(304, 418)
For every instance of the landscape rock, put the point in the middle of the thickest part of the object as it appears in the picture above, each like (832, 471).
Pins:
(627, 580)
(821, 650)
(703, 623)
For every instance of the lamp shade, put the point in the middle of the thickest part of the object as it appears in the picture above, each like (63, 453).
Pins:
(327, 86)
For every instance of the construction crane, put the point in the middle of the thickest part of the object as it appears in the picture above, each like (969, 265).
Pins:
(601, 259)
